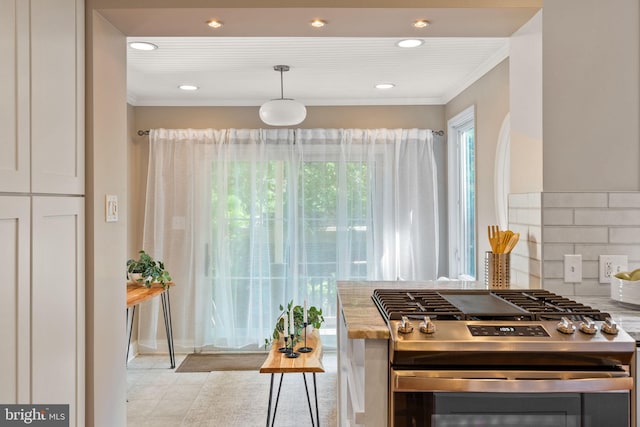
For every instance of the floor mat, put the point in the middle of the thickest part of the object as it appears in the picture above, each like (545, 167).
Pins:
(206, 362)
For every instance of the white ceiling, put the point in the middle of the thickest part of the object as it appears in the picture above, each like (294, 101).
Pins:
(338, 64)
(324, 70)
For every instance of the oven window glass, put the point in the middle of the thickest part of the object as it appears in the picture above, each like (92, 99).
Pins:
(511, 409)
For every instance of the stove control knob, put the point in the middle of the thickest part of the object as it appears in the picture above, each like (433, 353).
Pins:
(610, 327)
(405, 326)
(566, 326)
(588, 327)
(427, 326)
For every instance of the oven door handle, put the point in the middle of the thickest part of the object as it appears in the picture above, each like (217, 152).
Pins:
(510, 381)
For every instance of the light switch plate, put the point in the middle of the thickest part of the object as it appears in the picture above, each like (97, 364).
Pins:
(111, 211)
(573, 268)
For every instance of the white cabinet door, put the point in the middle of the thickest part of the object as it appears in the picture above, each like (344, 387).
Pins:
(14, 303)
(57, 96)
(57, 304)
(14, 96)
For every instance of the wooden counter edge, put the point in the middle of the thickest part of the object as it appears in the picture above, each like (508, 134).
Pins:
(278, 363)
(137, 293)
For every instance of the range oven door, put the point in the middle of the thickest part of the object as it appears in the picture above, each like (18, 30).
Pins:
(455, 398)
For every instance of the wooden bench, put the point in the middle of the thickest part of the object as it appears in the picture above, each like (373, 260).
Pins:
(137, 294)
(278, 363)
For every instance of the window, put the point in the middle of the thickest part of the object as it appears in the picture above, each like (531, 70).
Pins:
(462, 194)
(250, 219)
(295, 228)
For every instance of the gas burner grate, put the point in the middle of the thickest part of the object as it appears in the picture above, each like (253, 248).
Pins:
(538, 304)
(394, 304)
(546, 305)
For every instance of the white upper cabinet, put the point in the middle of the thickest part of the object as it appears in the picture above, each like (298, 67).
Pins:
(14, 96)
(42, 96)
(57, 96)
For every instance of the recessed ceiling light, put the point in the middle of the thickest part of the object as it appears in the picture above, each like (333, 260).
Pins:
(385, 86)
(188, 87)
(142, 46)
(214, 23)
(410, 43)
(421, 23)
(318, 23)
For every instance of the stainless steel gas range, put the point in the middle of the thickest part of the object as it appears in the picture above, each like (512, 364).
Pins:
(504, 358)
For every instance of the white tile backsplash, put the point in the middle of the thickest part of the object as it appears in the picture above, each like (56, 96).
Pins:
(607, 217)
(528, 249)
(557, 234)
(624, 200)
(590, 268)
(557, 216)
(591, 252)
(556, 251)
(590, 224)
(535, 234)
(574, 200)
(554, 270)
(557, 286)
(525, 218)
(624, 235)
(592, 287)
(524, 200)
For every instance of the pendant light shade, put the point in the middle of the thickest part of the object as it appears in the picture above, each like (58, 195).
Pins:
(282, 111)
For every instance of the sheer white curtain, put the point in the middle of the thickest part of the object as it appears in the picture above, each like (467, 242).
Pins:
(247, 220)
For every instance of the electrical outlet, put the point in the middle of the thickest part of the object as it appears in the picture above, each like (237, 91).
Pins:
(572, 268)
(610, 265)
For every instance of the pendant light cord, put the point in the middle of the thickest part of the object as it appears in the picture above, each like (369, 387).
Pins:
(281, 84)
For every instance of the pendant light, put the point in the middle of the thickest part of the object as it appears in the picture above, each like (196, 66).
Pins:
(282, 111)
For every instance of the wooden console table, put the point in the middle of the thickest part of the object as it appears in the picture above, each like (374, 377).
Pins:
(279, 363)
(137, 294)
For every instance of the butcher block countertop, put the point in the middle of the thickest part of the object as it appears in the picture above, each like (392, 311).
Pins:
(363, 320)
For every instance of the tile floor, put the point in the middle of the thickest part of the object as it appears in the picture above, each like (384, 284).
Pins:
(158, 396)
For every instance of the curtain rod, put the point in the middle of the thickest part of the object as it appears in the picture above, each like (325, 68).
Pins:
(146, 132)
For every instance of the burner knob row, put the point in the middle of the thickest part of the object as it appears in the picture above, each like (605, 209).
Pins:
(587, 326)
(426, 326)
(609, 326)
(405, 327)
(566, 326)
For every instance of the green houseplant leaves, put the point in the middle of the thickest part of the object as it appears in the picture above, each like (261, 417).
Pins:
(149, 269)
(314, 317)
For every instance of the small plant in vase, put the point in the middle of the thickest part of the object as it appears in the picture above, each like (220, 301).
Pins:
(314, 318)
(146, 270)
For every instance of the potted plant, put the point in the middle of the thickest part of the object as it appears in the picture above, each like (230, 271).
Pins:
(314, 318)
(146, 270)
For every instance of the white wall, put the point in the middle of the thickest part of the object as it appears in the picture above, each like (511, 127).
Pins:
(106, 242)
(525, 100)
(490, 95)
(591, 98)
